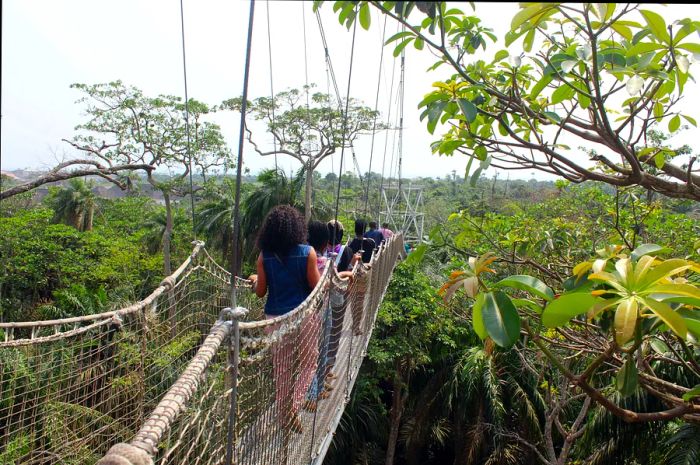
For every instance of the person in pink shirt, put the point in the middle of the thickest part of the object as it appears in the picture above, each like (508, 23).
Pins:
(386, 232)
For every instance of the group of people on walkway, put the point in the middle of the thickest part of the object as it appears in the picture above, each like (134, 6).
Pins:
(293, 256)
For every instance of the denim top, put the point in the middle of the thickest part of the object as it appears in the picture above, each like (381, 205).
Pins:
(286, 280)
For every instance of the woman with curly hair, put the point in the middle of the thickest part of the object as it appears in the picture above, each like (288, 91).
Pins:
(287, 272)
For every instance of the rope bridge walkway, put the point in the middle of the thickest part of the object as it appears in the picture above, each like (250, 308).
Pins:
(180, 378)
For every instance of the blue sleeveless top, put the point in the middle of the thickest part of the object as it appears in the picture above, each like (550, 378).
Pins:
(287, 285)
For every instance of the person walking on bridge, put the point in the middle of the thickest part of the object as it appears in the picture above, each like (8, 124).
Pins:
(287, 273)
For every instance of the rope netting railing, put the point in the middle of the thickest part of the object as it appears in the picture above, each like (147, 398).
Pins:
(277, 386)
(71, 388)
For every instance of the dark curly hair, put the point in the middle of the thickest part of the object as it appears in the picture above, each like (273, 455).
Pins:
(282, 229)
(318, 235)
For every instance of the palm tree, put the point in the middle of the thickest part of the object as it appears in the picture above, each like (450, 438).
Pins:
(156, 225)
(75, 205)
(215, 217)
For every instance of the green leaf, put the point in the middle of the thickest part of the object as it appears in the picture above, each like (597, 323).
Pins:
(527, 283)
(468, 108)
(481, 152)
(692, 320)
(501, 319)
(660, 160)
(675, 289)
(478, 319)
(691, 120)
(623, 30)
(397, 36)
(564, 92)
(693, 48)
(500, 55)
(528, 40)
(401, 46)
(614, 59)
(642, 48)
(475, 177)
(468, 168)
(559, 311)
(416, 257)
(672, 319)
(690, 395)
(674, 124)
(419, 43)
(541, 84)
(627, 378)
(552, 116)
(524, 15)
(626, 320)
(365, 19)
(657, 25)
(527, 303)
(646, 249)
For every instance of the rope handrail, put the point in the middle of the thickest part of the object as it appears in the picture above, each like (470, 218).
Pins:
(262, 433)
(156, 385)
(315, 294)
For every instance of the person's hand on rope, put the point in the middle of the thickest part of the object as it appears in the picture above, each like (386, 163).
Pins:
(253, 282)
(346, 276)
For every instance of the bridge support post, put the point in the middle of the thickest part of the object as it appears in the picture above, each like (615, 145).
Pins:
(235, 316)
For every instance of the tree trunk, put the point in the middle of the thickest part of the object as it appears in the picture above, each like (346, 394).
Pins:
(167, 270)
(309, 189)
(398, 399)
(89, 219)
(167, 234)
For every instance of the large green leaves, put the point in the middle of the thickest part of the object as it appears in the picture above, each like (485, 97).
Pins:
(626, 320)
(527, 283)
(500, 318)
(559, 311)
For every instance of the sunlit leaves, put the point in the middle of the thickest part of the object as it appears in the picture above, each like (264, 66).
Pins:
(657, 25)
(626, 320)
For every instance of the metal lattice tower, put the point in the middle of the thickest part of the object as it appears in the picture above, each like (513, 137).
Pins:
(403, 210)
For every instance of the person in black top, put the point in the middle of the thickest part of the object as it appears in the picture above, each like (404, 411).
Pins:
(362, 244)
(344, 259)
(374, 234)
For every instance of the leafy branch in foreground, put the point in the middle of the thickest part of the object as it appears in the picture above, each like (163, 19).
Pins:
(602, 74)
(642, 312)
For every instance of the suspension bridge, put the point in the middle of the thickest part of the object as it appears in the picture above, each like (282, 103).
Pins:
(180, 378)
(195, 373)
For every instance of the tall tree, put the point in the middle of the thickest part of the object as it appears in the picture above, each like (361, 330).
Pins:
(214, 218)
(309, 133)
(124, 125)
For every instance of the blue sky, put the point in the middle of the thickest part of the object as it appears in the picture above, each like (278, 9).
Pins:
(47, 45)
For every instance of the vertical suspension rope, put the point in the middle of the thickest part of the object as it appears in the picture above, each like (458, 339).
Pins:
(401, 100)
(272, 90)
(239, 164)
(230, 434)
(386, 139)
(187, 113)
(374, 122)
(345, 122)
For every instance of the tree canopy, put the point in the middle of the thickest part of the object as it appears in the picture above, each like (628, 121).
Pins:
(602, 75)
